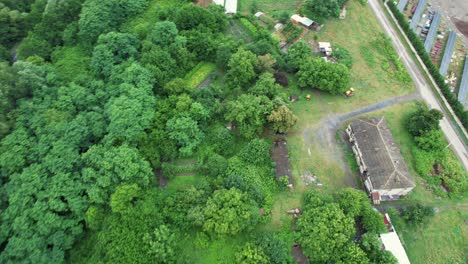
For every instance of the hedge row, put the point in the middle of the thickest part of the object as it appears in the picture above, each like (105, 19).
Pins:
(433, 70)
(253, 30)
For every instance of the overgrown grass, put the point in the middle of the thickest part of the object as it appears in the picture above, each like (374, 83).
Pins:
(199, 74)
(269, 6)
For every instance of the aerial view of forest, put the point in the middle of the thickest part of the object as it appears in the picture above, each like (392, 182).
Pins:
(175, 131)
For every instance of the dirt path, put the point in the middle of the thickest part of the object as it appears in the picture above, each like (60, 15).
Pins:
(323, 135)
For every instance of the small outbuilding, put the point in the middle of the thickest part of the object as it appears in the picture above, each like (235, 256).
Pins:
(304, 21)
(258, 14)
(325, 48)
(383, 169)
(278, 26)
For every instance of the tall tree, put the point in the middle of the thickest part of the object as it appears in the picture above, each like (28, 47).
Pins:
(282, 118)
(241, 69)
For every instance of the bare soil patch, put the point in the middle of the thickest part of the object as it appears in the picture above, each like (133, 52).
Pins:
(462, 26)
(204, 3)
(281, 157)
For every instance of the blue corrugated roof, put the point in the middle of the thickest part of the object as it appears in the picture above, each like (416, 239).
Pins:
(417, 14)
(402, 4)
(463, 92)
(448, 53)
(431, 35)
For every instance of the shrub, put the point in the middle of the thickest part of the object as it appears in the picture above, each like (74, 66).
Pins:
(417, 214)
(246, 23)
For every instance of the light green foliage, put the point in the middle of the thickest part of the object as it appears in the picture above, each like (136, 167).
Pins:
(431, 141)
(246, 23)
(324, 232)
(161, 244)
(185, 132)
(354, 255)
(123, 197)
(249, 113)
(284, 182)
(199, 74)
(282, 118)
(373, 221)
(241, 69)
(94, 216)
(251, 254)
(229, 212)
(265, 86)
(391, 62)
(266, 63)
(329, 77)
(353, 202)
(343, 56)
(256, 152)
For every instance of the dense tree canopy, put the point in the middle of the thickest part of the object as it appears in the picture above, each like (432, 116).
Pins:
(329, 77)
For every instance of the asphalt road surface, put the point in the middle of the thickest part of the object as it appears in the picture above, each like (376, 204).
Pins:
(456, 143)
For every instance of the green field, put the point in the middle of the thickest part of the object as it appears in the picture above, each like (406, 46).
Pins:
(198, 74)
(269, 6)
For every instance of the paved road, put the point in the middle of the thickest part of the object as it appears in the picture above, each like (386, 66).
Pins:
(422, 85)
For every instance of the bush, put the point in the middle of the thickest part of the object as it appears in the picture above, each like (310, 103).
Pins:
(417, 214)
(246, 23)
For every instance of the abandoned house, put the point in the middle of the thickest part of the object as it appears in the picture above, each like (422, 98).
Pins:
(383, 170)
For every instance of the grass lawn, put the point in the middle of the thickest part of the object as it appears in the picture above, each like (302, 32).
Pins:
(198, 74)
(269, 6)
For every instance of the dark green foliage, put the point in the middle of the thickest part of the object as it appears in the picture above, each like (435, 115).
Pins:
(329, 77)
(213, 165)
(433, 70)
(193, 16)
(423, 120)
(98, 17)
(13, 25)
(113, 48)
(417, 214)
(372, 221)
(34, 45)
(320, 10)
(164, 33)
(274, 248)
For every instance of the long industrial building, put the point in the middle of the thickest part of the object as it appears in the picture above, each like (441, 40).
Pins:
(449, 47)
(463, 92)
(417, 14)
(431, 35)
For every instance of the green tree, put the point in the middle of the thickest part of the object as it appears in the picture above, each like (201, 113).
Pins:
(353, 202)
(343, 56)
(283, 119)
(372, 246)
(164, 33)
(431, 141)
(107, 167)
(299, 53)
(372, 220)
(266, 86)
(249, 113)
(113, 48)
(353, 254)
(423, 120)
(417, 214)
(324, 232)
(186, 133)
(251, 254)
(161, 244)
(321, 10)
(276, 249)
(241, 69)
(123, 197)
(229, 212)
(329, 77)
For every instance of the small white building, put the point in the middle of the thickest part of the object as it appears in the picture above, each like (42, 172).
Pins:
(304, 21)
(229, 5)
(325, 48)
(258, 14)
(278, 26)
(383, 169)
